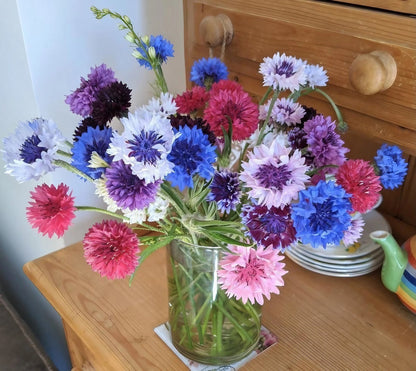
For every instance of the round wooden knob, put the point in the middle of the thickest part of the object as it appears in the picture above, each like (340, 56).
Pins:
(373, 72)
(216, 29)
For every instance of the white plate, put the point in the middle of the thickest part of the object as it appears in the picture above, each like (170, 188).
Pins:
(332, 273)
(337, 267)
(373, 221)
(336, 260)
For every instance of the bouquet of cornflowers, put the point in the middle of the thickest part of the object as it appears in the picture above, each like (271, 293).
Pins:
(206, 167)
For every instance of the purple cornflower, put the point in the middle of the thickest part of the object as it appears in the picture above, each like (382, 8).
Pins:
(225, 190)
(324, 143)
(126, 189)
(269, 226)
(93, 140)
(274, 175)
(321, 216)
(284, 111)
(80, 101)
(205, 72)
(283, 72)
(391, 166)
(163, 49)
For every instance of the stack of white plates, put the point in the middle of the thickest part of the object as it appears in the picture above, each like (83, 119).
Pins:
(361, 258)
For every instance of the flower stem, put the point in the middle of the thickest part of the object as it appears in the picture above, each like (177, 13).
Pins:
(102, 211)
(73, 169)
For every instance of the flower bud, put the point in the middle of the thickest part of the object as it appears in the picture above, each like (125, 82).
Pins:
(129, 37)
(152, 53)
(145, 40)
(126, 19)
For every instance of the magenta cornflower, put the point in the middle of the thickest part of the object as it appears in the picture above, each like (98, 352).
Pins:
(111, 248)
(235, 107)
(269, 226)
(192, 100)
(359, 179)
(52, 209)
(274, 174)
(250, 274)
(325, 144)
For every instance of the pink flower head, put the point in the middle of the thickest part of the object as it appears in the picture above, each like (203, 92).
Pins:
(192, 100)
(274, 175)
(248, 274)
(225, 85)
(51, 210)
(231, 106)
(354, 231)
(358, 178)
(111, 248)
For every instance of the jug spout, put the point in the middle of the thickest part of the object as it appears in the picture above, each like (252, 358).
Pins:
(395, 259)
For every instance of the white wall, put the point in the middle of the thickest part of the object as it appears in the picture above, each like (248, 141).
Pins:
(46, 46)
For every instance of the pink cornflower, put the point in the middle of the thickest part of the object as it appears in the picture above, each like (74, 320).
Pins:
(111, 248)
(235, 106)
(354, 231)
(358, 178)
(248, 274)
(274, 174)
(51, 210)
(192, 100)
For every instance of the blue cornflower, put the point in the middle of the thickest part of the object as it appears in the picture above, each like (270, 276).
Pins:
(392, 167)
(207, 71)
(30, 152)
(322, 214)
(163, 49)
(225, 190)
(192, 154)
(93, 140)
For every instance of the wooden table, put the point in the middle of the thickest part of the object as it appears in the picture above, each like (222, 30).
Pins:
(323, 323)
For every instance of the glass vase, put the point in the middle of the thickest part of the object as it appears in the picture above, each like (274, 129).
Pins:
(207, 326)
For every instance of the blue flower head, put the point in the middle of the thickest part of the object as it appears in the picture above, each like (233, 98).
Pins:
(207, 71)
(192, 154)
(93, 140)
(322, 214)
(392, 167)
(163, 49)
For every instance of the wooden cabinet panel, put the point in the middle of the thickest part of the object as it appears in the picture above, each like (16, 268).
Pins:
(332, 35)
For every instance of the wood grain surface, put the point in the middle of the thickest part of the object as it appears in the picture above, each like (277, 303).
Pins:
(322, 322)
